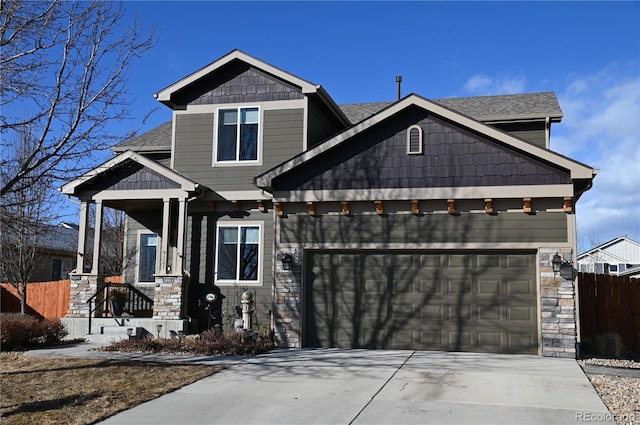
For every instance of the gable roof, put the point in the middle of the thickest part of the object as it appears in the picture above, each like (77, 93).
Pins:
(510, 107)
(603, 247)
(577, 170)
(186, 184)
(308, 88)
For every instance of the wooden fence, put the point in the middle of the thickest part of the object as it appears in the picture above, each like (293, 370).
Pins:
(610, 304)
(44, 299)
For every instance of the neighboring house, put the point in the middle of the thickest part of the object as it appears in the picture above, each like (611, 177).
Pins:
(55, 252)
(619, 257)
(415, 224)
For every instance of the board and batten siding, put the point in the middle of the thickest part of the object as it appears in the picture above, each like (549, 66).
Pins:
(282, 138)
(417, 230)
(201, 251)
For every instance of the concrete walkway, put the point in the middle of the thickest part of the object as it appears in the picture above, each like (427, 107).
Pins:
(326, 386)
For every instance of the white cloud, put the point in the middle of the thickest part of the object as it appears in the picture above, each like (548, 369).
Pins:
(602, 129)
(483, 85)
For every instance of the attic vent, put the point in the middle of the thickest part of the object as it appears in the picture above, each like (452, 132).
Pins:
(414, 140)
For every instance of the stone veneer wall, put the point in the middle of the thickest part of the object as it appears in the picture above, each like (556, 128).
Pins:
(287, 305)
(558, 307)
(168, 297)
(83, 287)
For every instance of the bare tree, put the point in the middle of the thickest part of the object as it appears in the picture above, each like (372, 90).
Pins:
(65, 65)
(24, 218)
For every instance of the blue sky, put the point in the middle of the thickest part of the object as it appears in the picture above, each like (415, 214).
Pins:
(588, 53)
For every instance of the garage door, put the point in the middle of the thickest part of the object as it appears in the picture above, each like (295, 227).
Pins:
(451, 301)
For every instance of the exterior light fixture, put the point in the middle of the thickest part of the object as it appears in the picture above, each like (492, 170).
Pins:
(563, 268)
(129, 332)
(556, 263)
(287, 261)
(158, 329)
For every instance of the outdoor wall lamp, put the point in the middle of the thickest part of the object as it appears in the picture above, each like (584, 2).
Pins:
(129, 332)
(158, 329)
(563, 267)
(287, 261)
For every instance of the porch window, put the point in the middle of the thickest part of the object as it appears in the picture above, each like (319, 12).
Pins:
(148, 250)
(237, 139)
(238, 253)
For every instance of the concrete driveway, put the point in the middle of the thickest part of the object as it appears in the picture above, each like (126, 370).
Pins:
(325, 386)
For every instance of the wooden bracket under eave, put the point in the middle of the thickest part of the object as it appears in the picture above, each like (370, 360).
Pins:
(345, 208)
(211, 205)
(379, 207)
(311, 208)
(526, 205)
(278, 207)
(488, 206)
(451, 206)
(567, 205)
(415, 207)
(236, 205)
(261, 207)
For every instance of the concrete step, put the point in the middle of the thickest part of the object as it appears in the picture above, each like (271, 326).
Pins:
(107, 334)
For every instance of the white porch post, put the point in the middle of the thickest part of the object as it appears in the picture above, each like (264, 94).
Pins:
(178, 255)
(96, 238)
(82, 237)
(165, 236)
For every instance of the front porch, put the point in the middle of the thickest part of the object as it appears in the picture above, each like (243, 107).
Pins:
(157, 197)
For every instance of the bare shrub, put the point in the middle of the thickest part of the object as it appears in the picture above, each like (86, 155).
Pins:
(608, 346)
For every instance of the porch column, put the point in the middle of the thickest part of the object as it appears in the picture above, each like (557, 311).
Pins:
(164, 251)
(82, 236)
(178, 256)
(96, 238)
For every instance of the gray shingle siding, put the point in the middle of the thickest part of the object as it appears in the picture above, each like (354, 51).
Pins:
(132, 176)
(238, 83)
(377, 158)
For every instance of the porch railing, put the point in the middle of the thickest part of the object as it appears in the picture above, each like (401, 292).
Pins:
(134, 303)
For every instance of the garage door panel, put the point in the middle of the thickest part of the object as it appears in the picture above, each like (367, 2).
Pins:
(490, 339)
(526, 314)
(519, 287)
(478, 301)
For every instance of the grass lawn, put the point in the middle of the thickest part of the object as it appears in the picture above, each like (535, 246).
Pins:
(83, 391)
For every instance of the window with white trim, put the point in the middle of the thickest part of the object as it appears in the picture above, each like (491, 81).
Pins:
(238, 134)
(414, 140)
(238, 253)
(147, 256)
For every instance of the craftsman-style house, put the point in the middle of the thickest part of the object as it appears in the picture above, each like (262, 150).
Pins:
(414, 224)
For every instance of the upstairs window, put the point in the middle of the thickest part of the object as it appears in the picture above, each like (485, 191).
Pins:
(414, 140)
(238, 130)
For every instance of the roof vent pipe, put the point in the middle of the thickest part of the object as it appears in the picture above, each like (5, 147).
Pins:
(399, 82)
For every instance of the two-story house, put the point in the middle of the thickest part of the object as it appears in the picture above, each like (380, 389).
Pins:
(414, 224)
